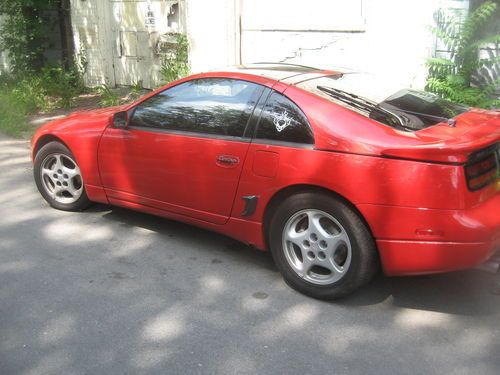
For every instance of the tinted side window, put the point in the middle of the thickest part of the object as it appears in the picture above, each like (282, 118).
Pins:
(282, 120)
(213, 106)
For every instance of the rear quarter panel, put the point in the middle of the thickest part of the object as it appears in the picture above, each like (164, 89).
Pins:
(360, 179)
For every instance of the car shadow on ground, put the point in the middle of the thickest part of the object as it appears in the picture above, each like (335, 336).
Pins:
(110, 291)
(467, 293)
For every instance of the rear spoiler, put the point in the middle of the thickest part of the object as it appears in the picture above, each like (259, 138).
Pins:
(447, 152)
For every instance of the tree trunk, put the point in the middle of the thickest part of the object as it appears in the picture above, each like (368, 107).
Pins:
(66, 32)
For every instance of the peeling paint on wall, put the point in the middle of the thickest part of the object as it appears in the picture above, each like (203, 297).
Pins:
(118, 38)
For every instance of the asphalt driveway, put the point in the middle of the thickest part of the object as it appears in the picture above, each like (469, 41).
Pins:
(110, 291)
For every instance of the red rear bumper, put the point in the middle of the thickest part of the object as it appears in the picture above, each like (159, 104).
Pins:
(413, 258)
(418, 241)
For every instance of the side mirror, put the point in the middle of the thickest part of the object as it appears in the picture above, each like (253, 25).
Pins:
(120, 120)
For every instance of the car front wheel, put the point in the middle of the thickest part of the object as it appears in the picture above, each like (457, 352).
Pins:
(59, 179)
(321, 246)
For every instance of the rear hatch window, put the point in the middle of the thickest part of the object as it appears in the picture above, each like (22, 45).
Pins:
(403, 109)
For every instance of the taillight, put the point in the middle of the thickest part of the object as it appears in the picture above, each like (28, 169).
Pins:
(483, 168)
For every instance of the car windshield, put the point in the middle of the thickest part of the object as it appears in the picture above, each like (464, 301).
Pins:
(404, 109)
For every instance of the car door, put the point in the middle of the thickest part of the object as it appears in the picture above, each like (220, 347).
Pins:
(183, 149)
(281, 153)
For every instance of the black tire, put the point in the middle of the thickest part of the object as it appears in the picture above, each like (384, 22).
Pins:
(57, 148)
(364, 261)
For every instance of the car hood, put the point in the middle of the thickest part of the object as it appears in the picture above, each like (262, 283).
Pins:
(78, 126)
(82, 120)
(97, 112)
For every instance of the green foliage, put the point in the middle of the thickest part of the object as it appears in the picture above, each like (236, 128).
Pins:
(451, 78)
(14, 105)
(63, 84)
(24, 32)
(80, 63)
(30, 93)
(108, 97)
(32, 85)
(135, 91)
(13, 120)
(52, 88)
(175, 63)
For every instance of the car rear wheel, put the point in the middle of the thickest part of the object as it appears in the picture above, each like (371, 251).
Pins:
(59, 179)
(321, 246)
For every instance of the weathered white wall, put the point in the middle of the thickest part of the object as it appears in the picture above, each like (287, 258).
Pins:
(390, 37)
(4, 58)
(117, 41)
(91, 38)
(213, 31)
(385, 36)
(4, 62)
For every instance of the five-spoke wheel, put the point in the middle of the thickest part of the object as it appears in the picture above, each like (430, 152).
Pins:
(316, 246)
(59, 178)
(321, 245)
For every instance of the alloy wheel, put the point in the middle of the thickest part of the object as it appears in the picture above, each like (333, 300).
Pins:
(316, 246)
(61, 178)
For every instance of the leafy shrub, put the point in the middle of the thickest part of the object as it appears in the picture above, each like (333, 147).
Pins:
(451, 78)
(30, 93)
(52, 87)
(13, 112)
(63, 84)
(24, 32)
(175, 62)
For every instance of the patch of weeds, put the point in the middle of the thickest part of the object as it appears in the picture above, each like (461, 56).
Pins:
(20, 95)
(13, 112)
(109, 98)
(17, 100)
(63, 85)
(135, 91)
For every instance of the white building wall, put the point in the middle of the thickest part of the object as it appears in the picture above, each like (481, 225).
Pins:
(4, 57)
(4, 62)
(118, 39)
(91, 38)
(390, 37)
(213, 32)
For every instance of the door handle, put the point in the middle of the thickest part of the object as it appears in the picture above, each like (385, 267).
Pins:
(227, 160)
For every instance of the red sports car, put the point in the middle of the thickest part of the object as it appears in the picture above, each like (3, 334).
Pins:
(307, 163)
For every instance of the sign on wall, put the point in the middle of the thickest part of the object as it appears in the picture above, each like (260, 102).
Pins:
(149, 17)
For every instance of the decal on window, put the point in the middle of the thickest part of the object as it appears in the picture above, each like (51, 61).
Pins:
(281, 120)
